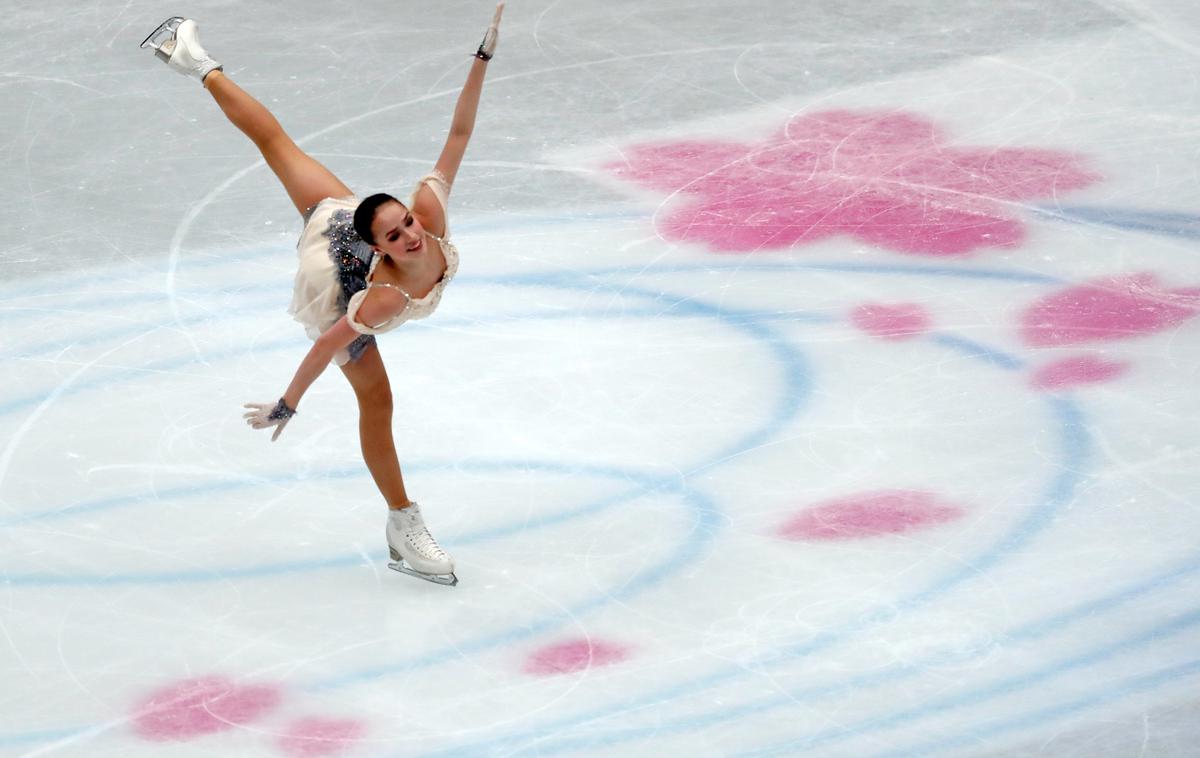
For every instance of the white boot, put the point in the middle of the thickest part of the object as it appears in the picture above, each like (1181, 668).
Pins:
(410, 541)
(177, 41)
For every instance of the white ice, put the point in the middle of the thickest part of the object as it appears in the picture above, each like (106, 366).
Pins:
(608, 425)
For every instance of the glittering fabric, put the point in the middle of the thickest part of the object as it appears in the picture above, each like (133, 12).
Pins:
(281, 412)
(352, 256)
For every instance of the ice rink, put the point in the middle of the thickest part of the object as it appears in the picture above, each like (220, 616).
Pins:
(820, 379)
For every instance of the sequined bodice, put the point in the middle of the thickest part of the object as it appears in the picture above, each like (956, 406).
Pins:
(417, 307)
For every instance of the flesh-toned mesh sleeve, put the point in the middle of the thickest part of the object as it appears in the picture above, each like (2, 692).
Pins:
(436, 181)
(356, 301)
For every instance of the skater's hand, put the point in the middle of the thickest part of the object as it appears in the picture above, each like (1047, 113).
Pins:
(487, 48)
(266, 415)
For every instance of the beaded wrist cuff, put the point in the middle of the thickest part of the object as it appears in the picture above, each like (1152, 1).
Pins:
(281, 412)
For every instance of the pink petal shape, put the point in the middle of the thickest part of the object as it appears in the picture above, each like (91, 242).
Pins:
(869, 514)
(1071, 372)
(315, 737)
(675, 166)
(739, 225)
(928, 228)
(1011, 174)
(886, 178)
(196, 707)
(574, 655)
(1108, 309)
(891, 322)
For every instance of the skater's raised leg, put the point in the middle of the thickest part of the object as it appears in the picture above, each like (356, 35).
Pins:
(177, 42)
(307, 182)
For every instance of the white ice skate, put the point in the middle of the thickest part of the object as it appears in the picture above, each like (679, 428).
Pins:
(414, 550)
(177, 41)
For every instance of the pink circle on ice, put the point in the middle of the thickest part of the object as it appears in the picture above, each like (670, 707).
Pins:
(1071, 372)
(869, 514)
(574, 655)
(196, 707)
(1107, 309)
(315, 737)
(900, 321)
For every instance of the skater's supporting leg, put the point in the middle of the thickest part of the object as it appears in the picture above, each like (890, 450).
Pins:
(369, 379)
(307, 182)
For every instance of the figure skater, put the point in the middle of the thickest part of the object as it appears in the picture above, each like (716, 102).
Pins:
(365, 267)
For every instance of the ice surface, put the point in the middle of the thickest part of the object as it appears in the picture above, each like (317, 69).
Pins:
(819, 380)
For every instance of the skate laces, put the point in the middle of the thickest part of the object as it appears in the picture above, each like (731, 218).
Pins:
(418, 534)
(424, 542)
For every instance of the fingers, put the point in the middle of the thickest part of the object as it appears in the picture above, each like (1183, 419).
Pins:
(499, 12)
(259, 417)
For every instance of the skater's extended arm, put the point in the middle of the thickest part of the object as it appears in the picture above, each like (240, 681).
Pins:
(468, 103)
(314, 364)
(264, 415)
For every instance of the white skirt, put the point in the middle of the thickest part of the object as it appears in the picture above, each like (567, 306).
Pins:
(319, 297)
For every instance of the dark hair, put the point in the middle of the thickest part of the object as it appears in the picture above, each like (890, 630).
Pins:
(364, 214)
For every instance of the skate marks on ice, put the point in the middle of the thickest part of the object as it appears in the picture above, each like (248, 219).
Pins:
(762, 326)
(850, 361)
(766, 325)
(784, 326)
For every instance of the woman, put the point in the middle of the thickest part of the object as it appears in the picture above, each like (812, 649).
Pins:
(365, 267)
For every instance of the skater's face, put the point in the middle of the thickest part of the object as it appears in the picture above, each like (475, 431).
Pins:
(397, 231)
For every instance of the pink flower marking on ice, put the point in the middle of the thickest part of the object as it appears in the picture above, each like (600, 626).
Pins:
(890, 179)
(196, 707)
(315, 737)
(574, 655)
(1071, 372)
(891, 322)
(869, 514)
(1108, 309)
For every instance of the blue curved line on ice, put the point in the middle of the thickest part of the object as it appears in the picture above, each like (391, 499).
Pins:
(44, 735)
(646, 484)
(704, 529)
(1123, 689)
(281, 287)
(795, 386)
(1001, 688)
(1075, 443)
(796, 383)
(556, 281)
(1172, 224)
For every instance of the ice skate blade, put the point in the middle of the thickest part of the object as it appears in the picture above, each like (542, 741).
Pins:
(160, 36)
(447, 580)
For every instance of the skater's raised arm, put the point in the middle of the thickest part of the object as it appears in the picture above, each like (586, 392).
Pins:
(468, 102)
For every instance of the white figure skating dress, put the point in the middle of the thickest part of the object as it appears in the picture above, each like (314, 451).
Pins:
(336, 265)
